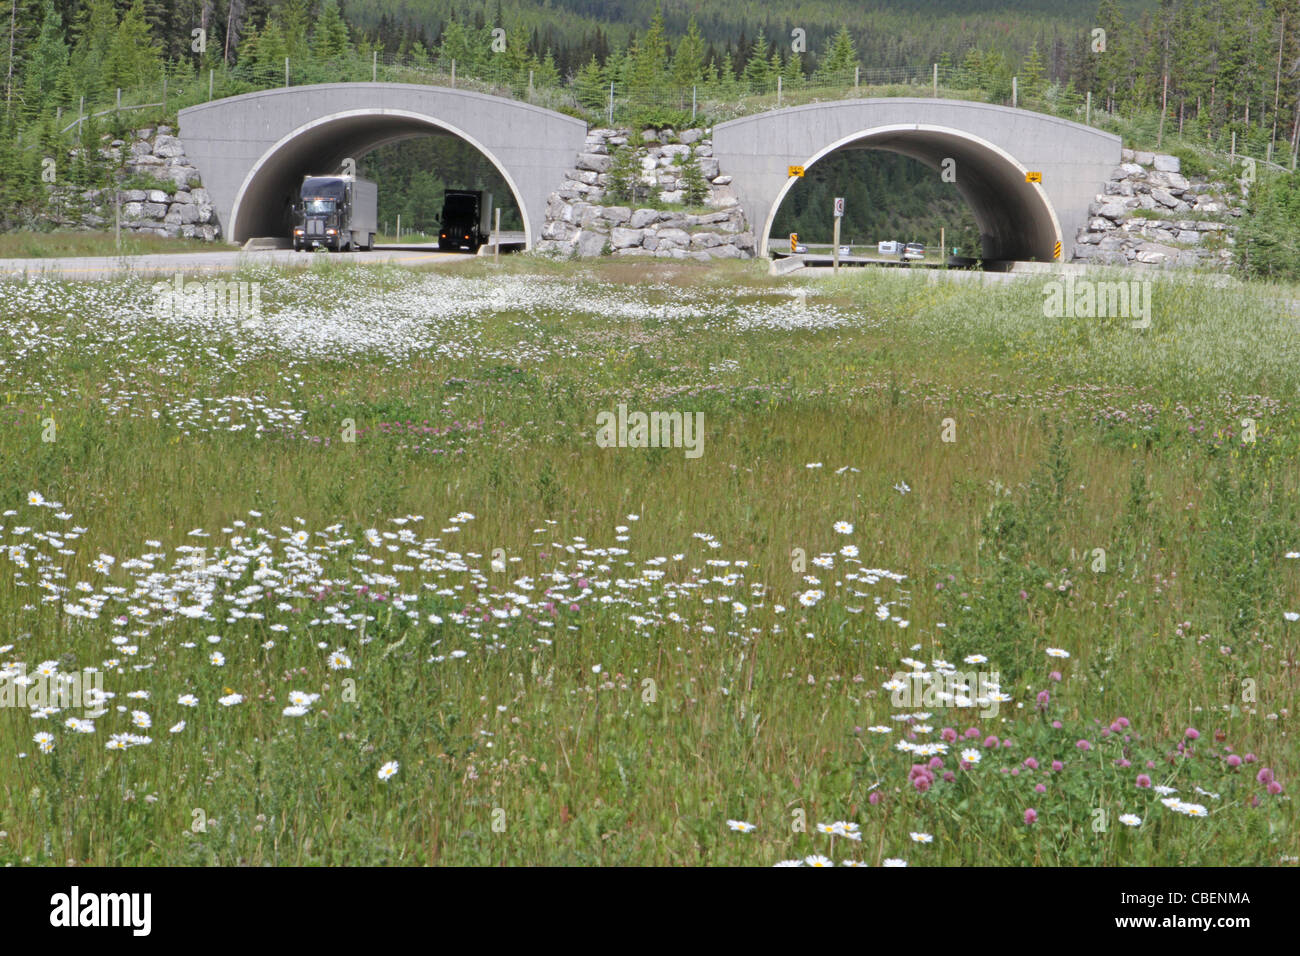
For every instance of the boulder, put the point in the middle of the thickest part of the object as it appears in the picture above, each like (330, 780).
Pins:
(616, 214)
(590, 243)
(621, 238)
(727, 251)
(593, 162)
(1164, 198)
(642, 218)
(1167, 164)
(689, 136)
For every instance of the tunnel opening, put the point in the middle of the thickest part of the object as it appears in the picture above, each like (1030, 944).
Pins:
(1013, 217)
(381, 146)
(888, 198)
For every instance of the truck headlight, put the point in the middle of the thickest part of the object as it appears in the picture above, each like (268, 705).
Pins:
(297, 232)
(331, 231)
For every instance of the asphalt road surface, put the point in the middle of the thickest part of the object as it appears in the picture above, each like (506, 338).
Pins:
(217, 261)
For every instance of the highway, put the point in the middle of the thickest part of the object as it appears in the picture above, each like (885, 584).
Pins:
(228, 260)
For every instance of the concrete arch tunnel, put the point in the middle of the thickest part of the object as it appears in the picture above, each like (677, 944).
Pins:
(992, 149)
(254, 149)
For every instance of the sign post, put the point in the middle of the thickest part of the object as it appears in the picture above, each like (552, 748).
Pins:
(835, 240)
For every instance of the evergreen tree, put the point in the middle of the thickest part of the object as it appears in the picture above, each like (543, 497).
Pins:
(688, 67)
(758, 75)
(330, 41)
(590, 87)
(840, 58)
(133, 58)
(46, 65)
(650, 58)
(1031, 73)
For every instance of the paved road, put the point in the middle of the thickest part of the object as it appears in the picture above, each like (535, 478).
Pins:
(216, 261)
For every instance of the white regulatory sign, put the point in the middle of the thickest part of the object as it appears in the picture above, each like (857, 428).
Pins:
(839, 205)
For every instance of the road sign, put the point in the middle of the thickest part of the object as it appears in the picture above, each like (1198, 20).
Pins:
(795, 171)
(839, 205)
(1056, 251)
(794, 241)
(1033, 177)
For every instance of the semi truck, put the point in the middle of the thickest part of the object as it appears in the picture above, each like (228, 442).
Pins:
(465, 220)
(336, 212)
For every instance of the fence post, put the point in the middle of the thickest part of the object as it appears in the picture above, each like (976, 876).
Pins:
(210, 71)
(81, 116)
(453, 74)
(1232, 157)
(164, 91)
(1088, 116)
(286, 71)
(530, 86)
(692, 102)
(374, 66)
(119, 99)
(778, 90)
(1015, 90)
(611, 103)
(936, 81)
(857, 72)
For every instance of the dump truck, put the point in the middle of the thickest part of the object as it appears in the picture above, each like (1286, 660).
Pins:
(336, 212)
(466, 220)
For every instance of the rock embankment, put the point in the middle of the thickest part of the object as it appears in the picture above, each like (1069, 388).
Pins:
(583, 220)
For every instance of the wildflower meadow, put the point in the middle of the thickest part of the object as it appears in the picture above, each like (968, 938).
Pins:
(866, 571)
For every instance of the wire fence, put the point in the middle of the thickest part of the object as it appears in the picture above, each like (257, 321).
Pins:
(703, 103)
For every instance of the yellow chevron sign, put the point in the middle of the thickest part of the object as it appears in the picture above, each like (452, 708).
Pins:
(1033, 177)
(1056, 251)
(796, 171)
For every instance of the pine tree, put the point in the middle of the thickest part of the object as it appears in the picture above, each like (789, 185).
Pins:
(688, 67)
(792, 75)
(840, 59)
(46, 63)
(589, 86)
(1031, 73)
(650, 58)
(330, 42)
(758, 75)
(133, 59)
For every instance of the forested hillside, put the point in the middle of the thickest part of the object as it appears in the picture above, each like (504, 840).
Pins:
(1214, 71)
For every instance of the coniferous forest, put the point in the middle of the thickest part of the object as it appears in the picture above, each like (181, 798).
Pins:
(1221, 68)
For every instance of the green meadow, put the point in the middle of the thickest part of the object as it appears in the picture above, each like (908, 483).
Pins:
(365, 588)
